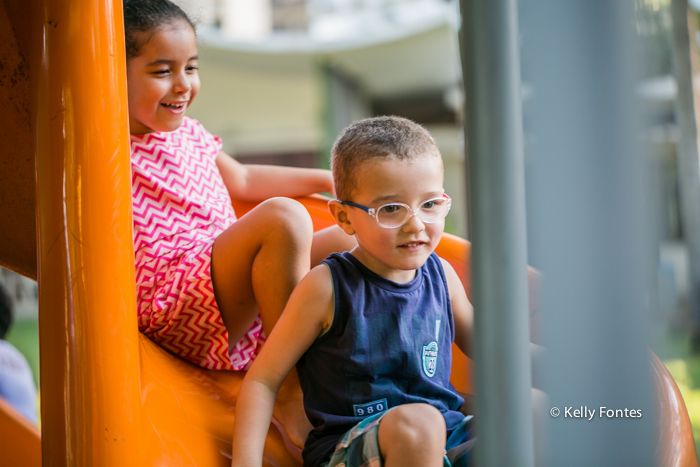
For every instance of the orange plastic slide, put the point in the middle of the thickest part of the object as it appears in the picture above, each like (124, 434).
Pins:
(110, 397)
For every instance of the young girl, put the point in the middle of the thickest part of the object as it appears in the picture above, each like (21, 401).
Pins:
(208, 286)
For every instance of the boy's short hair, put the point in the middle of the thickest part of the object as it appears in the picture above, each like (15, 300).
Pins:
(375, 138)
(5, 311)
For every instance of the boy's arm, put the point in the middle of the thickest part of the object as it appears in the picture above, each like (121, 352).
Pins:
(462, 310)
(307, 314)
(463, 313)
(246, 182)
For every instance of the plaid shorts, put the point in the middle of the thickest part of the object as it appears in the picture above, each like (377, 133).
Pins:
(359, 447)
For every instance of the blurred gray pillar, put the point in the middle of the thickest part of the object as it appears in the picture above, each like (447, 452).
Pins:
(491, 68)
(589, 226)
(688, 164)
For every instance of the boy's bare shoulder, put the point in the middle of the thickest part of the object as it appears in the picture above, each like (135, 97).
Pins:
(458, 294)
(315, 291)
(319, 276)
(445, 264)
(450, 273)
(316, 285)
(462, 310)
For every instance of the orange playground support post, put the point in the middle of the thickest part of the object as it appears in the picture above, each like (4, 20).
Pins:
(90, 390)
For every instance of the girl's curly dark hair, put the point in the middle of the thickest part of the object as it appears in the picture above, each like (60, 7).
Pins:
(148, 16)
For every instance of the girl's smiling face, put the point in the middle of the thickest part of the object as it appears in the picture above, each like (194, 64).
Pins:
(162, 80)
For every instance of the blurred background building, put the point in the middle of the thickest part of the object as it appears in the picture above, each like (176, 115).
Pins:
(281, 78)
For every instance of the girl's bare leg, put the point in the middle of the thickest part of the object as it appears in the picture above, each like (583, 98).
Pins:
(330, 240)
(412, 435)
(256, 263)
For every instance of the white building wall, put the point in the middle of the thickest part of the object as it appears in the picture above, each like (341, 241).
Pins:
(246, 20)
(255, 107)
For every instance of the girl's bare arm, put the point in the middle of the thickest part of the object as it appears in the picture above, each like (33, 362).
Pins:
(259, 182)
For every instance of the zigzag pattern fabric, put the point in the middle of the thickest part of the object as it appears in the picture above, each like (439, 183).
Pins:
(180, 206)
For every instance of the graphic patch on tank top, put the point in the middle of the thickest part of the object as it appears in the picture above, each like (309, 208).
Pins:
(430, 353)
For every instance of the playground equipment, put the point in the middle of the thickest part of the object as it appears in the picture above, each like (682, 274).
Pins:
(110, 397)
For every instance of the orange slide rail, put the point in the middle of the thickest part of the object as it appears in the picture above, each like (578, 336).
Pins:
(109, 396)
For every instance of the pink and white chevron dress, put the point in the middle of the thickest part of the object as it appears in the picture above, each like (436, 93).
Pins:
(180, 205)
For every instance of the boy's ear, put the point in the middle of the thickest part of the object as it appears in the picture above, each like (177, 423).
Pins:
(340, 214)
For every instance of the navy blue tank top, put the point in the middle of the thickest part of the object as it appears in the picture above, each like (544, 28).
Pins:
(389, 344)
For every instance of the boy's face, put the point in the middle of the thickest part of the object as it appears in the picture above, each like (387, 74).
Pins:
(394, 253)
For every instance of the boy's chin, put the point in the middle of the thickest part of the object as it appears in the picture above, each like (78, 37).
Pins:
(415, 261)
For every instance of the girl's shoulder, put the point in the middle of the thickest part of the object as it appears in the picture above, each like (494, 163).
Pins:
(191, 133)
(196, 132)
(190, 123)
(191, 127)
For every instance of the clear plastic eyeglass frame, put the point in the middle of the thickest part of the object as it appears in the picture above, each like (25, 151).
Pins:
(409, 212)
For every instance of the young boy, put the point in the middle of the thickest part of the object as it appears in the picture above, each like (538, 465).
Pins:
(371, 330)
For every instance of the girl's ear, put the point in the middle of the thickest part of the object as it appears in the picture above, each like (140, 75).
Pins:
(340, 214)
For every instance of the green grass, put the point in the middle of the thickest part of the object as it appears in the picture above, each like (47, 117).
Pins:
(685, 369)
(685, 372)
(24, 335)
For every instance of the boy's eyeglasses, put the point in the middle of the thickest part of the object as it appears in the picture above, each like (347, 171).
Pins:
(393, 215)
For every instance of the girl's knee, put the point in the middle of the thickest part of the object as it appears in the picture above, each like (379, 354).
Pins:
(288, 217)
